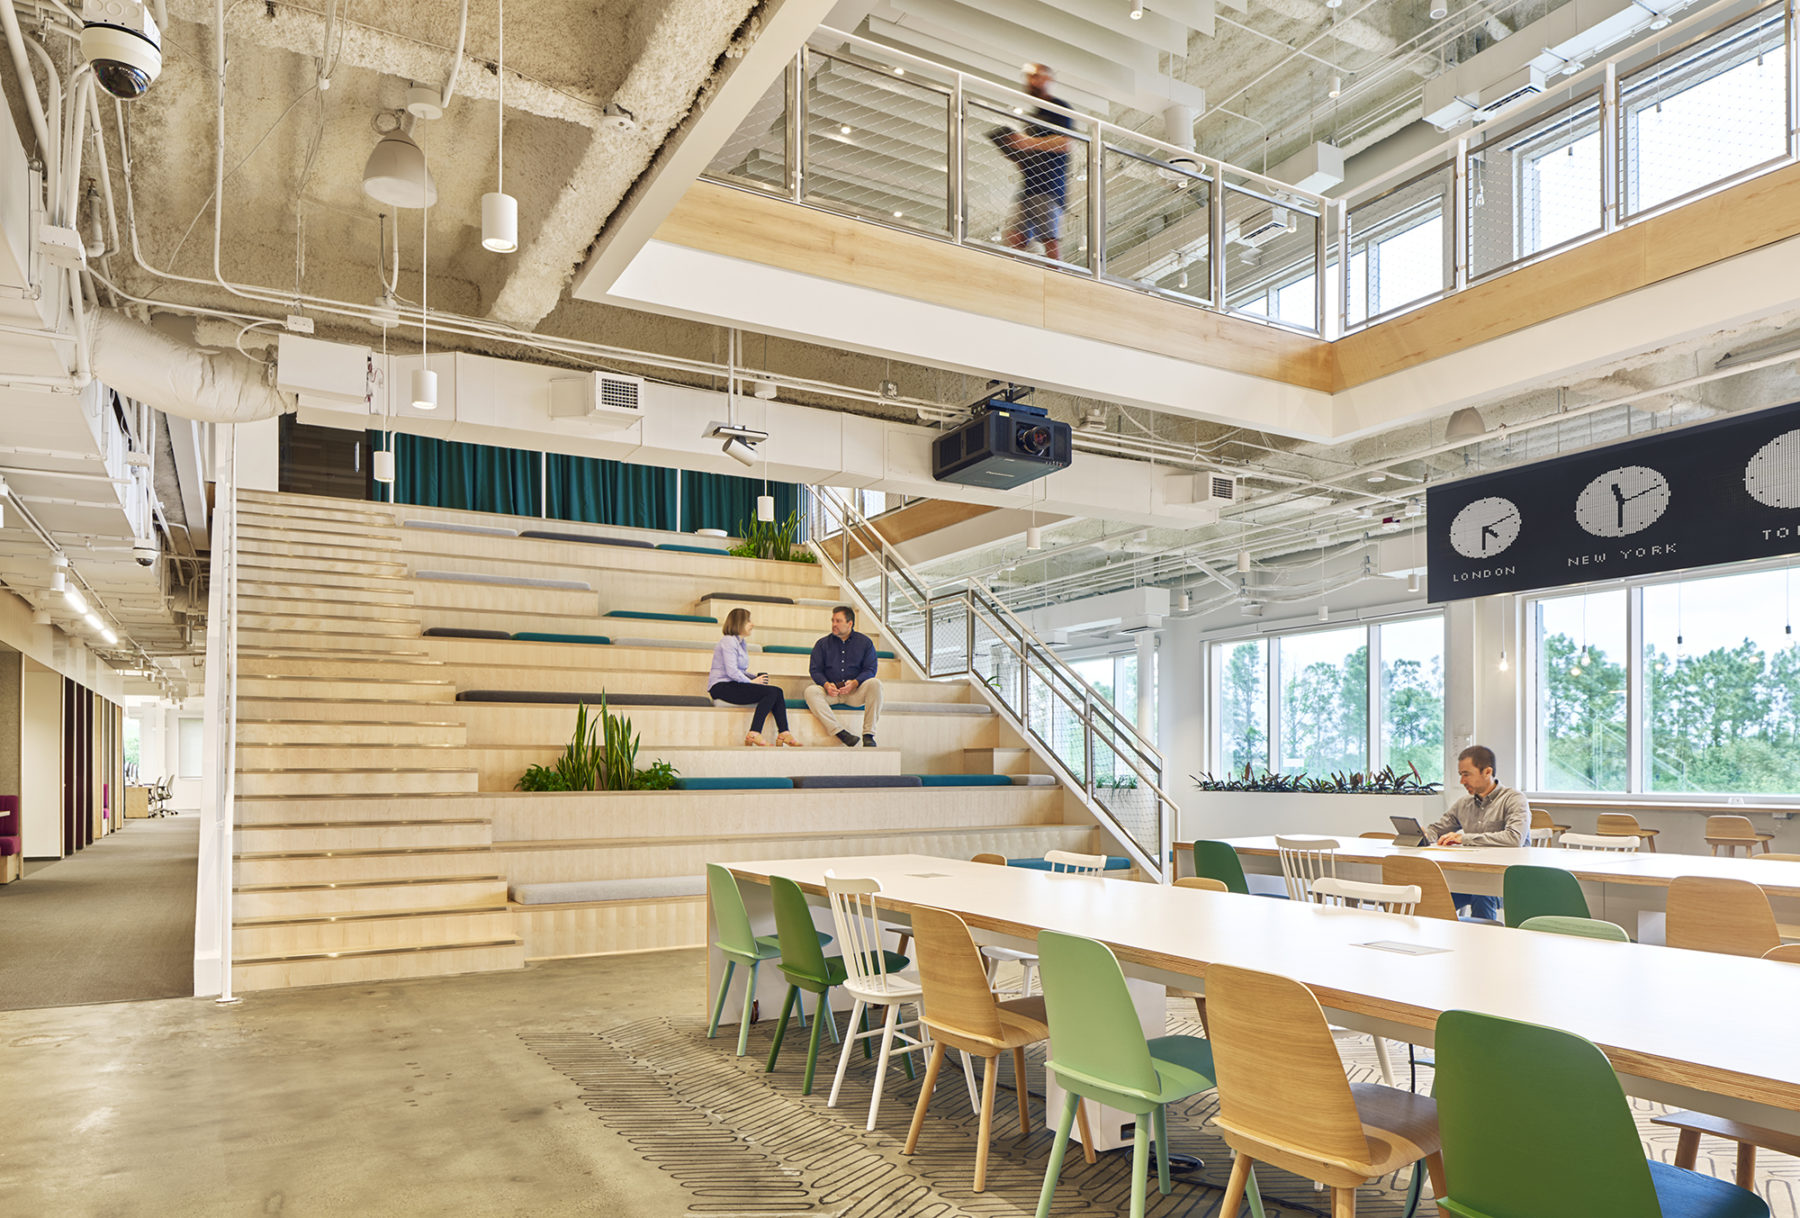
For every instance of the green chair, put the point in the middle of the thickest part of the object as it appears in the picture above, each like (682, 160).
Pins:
(1513, 1093)
(1586, 928)
(740, 946)
(1218, 861)
(1098, 1051)
(1530, 892)
(808, 970)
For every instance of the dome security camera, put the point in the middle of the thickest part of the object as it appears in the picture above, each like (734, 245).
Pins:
(120, 38)
(145, 552)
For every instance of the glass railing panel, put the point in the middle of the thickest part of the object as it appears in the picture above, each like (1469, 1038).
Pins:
(1158, 223)
(876, 144)
(1014, 200)
(756, 154)
(1401, 250)
(1535, 187)
(1271, 258)
(949, 637)
(1705, 112)
(1126, 797)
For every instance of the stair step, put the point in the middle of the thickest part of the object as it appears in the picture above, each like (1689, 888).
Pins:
(255, 558)
(357, 665)
(256, 685)
(352, 782)
(289, 838)
(366, 965)
(252, 575)
(292, 900)
(352, 809)
(268, 937)
(287, 755)
(391, 625)
(347, 733)
(304, 642)
(362, 537)
(371, 604)
(341, 866)
(280, 708)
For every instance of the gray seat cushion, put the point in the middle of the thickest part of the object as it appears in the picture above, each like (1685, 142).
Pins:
(815, 781)
(505, 581)
(642, 889)
(1034, 780)
(587, 539)
(748, 598)
(677, 644)
(446, 526)
(463, 632)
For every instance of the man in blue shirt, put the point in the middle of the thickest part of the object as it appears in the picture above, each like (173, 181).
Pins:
(843, 670)
(1041, 152)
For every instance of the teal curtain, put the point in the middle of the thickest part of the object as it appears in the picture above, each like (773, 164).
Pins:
(611, 492)
(725, 501)
(467, 477)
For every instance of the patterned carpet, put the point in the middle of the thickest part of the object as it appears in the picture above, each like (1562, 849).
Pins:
(744, 1142)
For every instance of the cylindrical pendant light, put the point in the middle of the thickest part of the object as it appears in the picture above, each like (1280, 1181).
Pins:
(1412, 582)
(1034, 538)
(384, 466)
(765, 508)
(499, 210)
(424, 389)
(1243, 562)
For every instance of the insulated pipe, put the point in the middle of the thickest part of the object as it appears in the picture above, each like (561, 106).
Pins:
(178, 379)
(34, 106)
(52, 150)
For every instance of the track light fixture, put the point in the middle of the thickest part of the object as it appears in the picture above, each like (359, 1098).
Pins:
(76, 602)
(740, 442)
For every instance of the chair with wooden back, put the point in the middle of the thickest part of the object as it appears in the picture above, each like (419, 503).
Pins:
(1787, 953)
(1424, 874)
(1067, 862)
(1353, 894)
(1303, 860)
(1624, 824)
(1217, 860)
(1734, 833)
(1542, 822)
(1613, 843)
(1284, 1099)
(1530, 892)
(1708, 914)
(1513, 1094)
(870, 983)
(963, 1014)
(1376, 835)
(1777, 857)
(996, 860)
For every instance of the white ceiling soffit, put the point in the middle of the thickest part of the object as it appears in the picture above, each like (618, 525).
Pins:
(1096, 612)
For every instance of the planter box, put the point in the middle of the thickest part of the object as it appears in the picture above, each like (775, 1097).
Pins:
(1217, 814)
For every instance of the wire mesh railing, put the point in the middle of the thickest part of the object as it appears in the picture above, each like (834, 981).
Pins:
(963, 630)
(861, 128)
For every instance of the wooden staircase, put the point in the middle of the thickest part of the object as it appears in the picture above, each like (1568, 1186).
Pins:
(378, 830)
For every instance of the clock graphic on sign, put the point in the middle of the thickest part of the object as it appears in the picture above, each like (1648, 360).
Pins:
(1485, 527)
(1622, 501)
(1772, 476)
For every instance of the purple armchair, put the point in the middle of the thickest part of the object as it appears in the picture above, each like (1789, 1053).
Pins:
(12, 848)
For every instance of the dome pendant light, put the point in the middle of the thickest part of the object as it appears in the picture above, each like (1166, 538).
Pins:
(499, 210)
(395, 173)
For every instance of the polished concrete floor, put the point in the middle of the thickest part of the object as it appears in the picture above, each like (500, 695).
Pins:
(412, 1098)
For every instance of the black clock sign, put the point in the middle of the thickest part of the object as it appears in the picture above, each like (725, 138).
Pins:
(1695, 497)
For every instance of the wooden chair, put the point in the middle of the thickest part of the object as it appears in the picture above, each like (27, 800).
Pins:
(1542, 821)
(1352, 894)
(1303, 860)
(1777, 857)
(1424, 874)
(997, 860)
(996, 956)
(1377, 836)
(1067, 862)
(1284, 1099)
(1715, 915)
(1205, 884)
(1734, 833)
(1612, 842)
(1787, 953)
(1747, 1137)
(1624, 824)
(963, 1014)
(870, 983)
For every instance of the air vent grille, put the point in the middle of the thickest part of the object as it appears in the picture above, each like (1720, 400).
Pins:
(619, 392)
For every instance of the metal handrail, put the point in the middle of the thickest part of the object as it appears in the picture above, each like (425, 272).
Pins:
(1333, 219)
(1103, 730)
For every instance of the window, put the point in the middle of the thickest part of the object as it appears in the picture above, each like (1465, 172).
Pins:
(189, 751)
(133, 744)
(1326, 690)
(1709, 666)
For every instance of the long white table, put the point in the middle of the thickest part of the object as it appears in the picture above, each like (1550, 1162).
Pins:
(1692, 1029)
(1626, 888)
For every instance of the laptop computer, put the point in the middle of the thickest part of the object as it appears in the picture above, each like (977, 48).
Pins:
(1408, 831)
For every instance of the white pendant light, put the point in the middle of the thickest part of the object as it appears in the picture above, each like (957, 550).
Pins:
(1412, 582)
(1337, 87)
(499, 210)
(1243, 562)
(396, 173)
(424, 389)
(765, 508)
(1503, 664)
(1034, 538)
(384, 466)
(1324, 614)
(1182, 602)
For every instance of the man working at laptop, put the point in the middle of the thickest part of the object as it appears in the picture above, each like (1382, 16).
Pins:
(1490, 815)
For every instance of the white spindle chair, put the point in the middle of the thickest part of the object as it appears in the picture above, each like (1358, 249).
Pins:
(1353, 894)
(1066, 862)
(1595, 841)
(1303, 860)
(869, 983)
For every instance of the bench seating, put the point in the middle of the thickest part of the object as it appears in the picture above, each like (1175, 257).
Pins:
(674, 644)
(748, 598)
(570, 892)
(646, 616)
(907, 708)
(1034, 780)
(748, 783)
(791, 649)
(539, 636)
(592, 699)
(587, 539)
(446, 526)
(964, 780)
(504, 581)
(463, 632)
(812, 781)
(680, 549)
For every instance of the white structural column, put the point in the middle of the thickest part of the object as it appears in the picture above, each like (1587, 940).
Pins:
(1146, 683)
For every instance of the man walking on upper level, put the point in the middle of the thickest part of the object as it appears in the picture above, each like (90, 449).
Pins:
(1041, 152)
(843, 670)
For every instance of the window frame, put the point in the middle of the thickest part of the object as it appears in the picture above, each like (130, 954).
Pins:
(1375, 749)
(1635, 793)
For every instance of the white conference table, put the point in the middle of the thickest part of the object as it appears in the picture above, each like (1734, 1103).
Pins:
(1690, 1029)
(1630, 889)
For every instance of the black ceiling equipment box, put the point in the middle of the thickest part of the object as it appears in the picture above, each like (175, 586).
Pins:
(1006, 444)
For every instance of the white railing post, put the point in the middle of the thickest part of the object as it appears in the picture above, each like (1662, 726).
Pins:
(227, 745)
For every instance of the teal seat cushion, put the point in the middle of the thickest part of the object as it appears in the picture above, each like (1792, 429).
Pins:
(641, 615)
(532, 636)
(1184, 1064)
(1688, 1194)
(965, 780)
(800, 703)
(669, 545)
(749, 783)
(789, 649)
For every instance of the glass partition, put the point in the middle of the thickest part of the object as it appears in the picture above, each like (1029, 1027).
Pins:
(1535, 187)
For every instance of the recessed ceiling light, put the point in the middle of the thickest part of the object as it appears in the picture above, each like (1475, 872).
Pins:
(899, 71)
(845, 130)
(1377, 479)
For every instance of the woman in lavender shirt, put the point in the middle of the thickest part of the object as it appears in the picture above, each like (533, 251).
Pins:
(730, 680)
